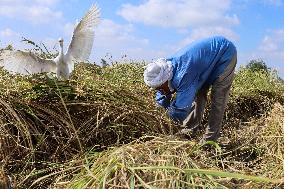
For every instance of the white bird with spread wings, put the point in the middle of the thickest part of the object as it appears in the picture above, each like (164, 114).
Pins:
(79, 50)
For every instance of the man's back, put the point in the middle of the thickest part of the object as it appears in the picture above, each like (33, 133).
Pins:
(205, 59)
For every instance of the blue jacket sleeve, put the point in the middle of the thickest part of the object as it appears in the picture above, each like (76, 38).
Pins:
(163, 100)
(180, 108)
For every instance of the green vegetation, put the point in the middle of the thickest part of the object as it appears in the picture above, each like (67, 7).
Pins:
(102, 129)
(258, 65)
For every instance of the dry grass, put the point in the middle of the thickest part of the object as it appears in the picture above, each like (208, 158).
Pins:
(87, 132)
(45, 121)
(172, 162)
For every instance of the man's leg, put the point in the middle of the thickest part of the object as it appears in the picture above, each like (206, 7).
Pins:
(194, 119)
(219, 96)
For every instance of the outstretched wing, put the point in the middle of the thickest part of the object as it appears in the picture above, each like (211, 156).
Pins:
(25, 63)
(83, 37)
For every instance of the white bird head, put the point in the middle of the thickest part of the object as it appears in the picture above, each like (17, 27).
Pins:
(60, 40)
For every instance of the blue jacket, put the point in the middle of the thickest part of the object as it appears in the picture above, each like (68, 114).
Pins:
(198, 64)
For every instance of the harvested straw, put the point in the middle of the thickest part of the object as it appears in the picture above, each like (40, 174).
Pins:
(47, 126)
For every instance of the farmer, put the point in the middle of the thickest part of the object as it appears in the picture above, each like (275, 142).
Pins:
(190, 73)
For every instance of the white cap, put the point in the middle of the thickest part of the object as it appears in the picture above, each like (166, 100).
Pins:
(158, 72)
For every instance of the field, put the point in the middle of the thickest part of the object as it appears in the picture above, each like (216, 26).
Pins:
(102, 129)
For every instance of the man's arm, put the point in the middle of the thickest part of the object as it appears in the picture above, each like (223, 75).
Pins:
(181, 106)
